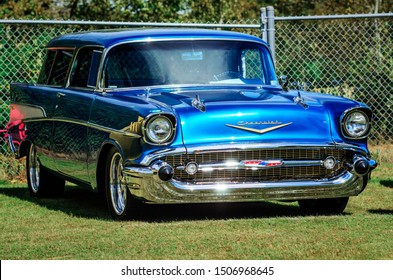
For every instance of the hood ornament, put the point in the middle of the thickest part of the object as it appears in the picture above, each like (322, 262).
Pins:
(259, 131)
(198, 104)
(299, 99)
(147, 92)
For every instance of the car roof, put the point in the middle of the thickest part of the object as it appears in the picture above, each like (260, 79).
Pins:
(107, 38)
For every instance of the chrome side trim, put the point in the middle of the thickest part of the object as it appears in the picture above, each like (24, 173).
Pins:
(88, 124)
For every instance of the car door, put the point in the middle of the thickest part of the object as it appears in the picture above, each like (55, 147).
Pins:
(42, 98)
(71, 116)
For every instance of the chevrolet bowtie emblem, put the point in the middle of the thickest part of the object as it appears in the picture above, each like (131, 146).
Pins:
(259, 131)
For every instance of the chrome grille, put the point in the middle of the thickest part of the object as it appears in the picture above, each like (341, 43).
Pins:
(273, 174)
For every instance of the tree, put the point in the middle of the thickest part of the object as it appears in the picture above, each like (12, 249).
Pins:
(219, 11)
(28, 9)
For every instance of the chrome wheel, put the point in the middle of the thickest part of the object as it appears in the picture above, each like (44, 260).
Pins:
(118, 190)
(34, 170)
(121, 204)
(40, 181)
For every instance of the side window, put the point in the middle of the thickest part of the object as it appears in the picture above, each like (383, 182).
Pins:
(252, 65)
(47, 67)
(60, 67)
(84, 73)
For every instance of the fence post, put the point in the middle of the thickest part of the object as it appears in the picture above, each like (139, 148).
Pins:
(271, 31)
(263, 24)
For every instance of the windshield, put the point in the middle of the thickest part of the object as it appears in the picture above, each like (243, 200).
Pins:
(188, 62)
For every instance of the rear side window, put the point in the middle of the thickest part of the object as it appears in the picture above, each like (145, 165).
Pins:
(55, 68)
(84, 73)
(47, 67)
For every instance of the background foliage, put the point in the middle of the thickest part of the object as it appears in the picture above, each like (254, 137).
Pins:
(181, 10)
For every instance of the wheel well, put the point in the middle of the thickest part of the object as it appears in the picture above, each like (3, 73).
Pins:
(24, 149)
(101, 167)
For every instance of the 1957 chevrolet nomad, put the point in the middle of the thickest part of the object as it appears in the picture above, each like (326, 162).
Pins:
(184, 116)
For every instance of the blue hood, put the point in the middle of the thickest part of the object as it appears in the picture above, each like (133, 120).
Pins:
(244, 115)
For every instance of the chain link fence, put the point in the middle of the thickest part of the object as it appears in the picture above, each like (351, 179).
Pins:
(347, 57)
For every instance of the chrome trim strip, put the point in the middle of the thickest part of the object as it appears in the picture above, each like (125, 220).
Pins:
(132, 171)
(338, 182)
(240, 165)
(254, 146)
(291, 163)
(162, 153)
(87, 124)
(177, 88)
(148, 159)
(61, 48)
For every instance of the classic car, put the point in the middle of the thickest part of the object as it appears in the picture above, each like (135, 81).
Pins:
(184, 116)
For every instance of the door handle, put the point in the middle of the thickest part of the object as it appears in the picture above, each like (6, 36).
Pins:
(60, 94)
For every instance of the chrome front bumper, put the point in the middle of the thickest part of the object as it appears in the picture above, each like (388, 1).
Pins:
(144, 183)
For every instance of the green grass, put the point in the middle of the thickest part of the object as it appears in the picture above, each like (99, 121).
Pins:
(78, 227)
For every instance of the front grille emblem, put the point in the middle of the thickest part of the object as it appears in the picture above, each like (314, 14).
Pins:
(259, 131)
(261, 163)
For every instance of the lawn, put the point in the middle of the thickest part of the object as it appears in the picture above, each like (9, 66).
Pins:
(78, 227)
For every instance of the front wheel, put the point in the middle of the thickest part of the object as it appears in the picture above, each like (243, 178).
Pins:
(119, 200)
(328, 206)
(40, 182)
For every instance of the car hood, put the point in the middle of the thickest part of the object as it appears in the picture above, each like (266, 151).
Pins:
(228, 116)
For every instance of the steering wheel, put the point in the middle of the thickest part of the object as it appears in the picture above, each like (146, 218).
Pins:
(227, 75)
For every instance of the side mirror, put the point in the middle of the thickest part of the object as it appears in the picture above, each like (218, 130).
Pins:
(283, 80)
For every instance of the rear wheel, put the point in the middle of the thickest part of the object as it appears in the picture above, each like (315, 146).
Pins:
(40, 182)
(324, 206)
(120, 202)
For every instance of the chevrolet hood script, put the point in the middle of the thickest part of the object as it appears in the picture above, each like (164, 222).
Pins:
(259, 131)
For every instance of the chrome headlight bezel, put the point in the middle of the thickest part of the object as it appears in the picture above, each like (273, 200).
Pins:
(166, 122)
(349, 119)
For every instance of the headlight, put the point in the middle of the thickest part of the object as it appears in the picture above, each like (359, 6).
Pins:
(356, 124)
(159, 130)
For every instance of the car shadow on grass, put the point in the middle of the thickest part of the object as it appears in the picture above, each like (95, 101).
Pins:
(387, 183)
(381, 211)
(75, 202)
(222, 211)
(87, 204)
